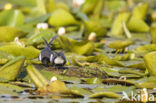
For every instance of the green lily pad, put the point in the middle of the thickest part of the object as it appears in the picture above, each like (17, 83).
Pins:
(12, 18)
(137, 25)
(140, 10)
(89, 6)
(60, 17)
(103, 59)
(117, 28)
(100, 29)
(37, 38)
(76, 46)
(146, 49)
(150, 63)
(149, 85)
(9, 33)
(29, 52)
(105, 94)
(93, 81)
(123, 44)
(5, 57)
(113, 72)
(131, 71)
(81, 90)
(38, 79)
(73, 93)
(11, 70)
(153, 33)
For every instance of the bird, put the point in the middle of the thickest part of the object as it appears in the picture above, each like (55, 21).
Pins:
(59, 60)
(46, 55)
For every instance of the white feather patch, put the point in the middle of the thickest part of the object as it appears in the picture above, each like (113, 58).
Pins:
(40, 57)
(58, 60)
(51, 57)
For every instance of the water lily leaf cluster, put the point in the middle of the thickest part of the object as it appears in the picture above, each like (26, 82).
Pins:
(109, 46)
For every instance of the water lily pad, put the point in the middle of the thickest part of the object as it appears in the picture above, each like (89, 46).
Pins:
(81, 90)
(93, 81)
(131, 71)
(122, 45)
(76, 46)
(122, 82)
(5, 57)
(11, 70)
(12, 18)
(117, 29)
(150, 63)
(137, 25)
(72, 93)
(149, 85)
(105, 94)
(103, 59)
(29, 52)
(37, 38)
(113, 72)
(153, 33)
(60, 17)
(140, 10)
(37, 78)
(56, 86)
(9, 33)
(100, 29)
(89, 6)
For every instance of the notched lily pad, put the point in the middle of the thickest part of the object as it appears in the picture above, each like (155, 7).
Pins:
(11, 70)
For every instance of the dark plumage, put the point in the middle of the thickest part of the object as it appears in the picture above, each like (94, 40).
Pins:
(46, 55)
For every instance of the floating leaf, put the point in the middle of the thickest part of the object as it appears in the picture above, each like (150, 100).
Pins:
(103, 59)
(72, 93)
(122, 82)
(140, 65)
(150, 63)
(125, 57)
(9, 33)
(113, 72)
(81, 90)
(146, 49)
(5, 57)
(131, 71)
(93, 81)
(36, 77)
(137, 25)
(149, 85)
(60, 17)
(89, 6)
(100, 29)
(37, 38)
(117, 28)
(153, 33)
(76, 46)
(123, 44)
(12, 68)
(56, 87)
(29, 52)
(140, 10)
(12, 18)
(104, 94)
